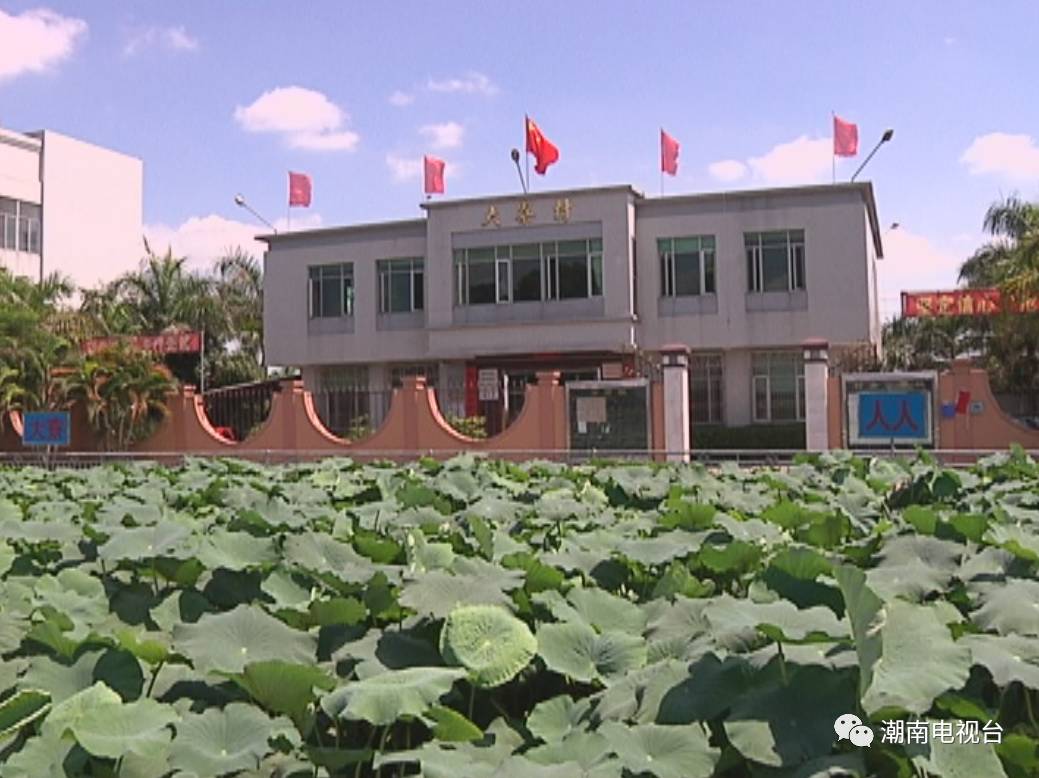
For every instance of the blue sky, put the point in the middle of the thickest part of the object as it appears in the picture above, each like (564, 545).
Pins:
(203, 93)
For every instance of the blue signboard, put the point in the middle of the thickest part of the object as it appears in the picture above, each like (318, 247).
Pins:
(894, 416)
(51, 428)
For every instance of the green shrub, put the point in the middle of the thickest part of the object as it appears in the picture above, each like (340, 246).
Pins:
(754, 436)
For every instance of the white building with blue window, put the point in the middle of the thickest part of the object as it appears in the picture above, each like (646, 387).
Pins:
(68, 206)
(488, 291)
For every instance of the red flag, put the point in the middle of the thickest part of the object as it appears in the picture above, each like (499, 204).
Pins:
(668, 153)
(845, 138)
(299, 189)
(434, 174)
(962, 402)
(544, 151)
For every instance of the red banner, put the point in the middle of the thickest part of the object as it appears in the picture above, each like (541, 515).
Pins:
(168, 343)
(961, 302)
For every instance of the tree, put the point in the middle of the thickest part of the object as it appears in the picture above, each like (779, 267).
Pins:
(31, 347)
(163, 295)
(1007, 343)
(1011, 259)
(123, 392)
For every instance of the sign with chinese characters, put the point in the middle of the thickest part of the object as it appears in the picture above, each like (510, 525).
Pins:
(889, 409)
(962, 732)
(608, 415)
(489, 385)
(168, 343)
(893, 415)
(961, 302)
(526, 213)
(50, 428)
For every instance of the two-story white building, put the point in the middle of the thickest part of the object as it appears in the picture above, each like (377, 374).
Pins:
(68, 206)
(482, 293)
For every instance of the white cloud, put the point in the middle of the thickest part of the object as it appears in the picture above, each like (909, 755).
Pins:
(404, 168)
(443, 136)
(345, 140)
(203, 239)
(800, 161)
(37, 40)
(305, 118)
(950, 40)
(471, 83)
(912, 263)
(401, 99)
(1015, 157)
(169, 38)
(727, 170)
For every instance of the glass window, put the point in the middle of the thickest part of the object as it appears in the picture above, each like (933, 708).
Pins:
(331, 290)
(400, 285)
(526, 272)
(687, 266)
(480, 285)
(778, 386)
(775, 261)
(705, 388)
(529, 272)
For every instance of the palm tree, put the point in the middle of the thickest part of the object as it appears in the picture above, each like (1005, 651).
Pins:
(1011, 259)
(123, 392)
(31, 346)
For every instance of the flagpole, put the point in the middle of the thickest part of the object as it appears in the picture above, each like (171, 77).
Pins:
(833, 145)
(661, 162)
(526, 151)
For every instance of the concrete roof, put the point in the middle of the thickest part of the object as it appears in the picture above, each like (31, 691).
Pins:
(349, 229)
(863, 188)
(613, 188)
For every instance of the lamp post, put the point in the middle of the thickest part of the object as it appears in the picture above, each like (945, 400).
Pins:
(239, 200)
(516, 159)
(888, 135)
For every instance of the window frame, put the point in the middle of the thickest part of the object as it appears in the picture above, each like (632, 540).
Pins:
(770, 358)
(384, 271)
(503, 259)
(711, 367)
(348, 292)
(796, 271)
(666, 253)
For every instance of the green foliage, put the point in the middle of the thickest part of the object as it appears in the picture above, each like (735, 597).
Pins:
(124, 394)
(788, 436)
(470, 426)
(470, 618)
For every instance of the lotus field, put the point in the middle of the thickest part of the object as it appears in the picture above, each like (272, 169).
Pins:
(472, 618)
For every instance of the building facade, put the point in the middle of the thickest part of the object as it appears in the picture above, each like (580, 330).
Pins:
(67, 206)
(481, 294)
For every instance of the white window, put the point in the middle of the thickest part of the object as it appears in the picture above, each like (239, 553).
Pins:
(706, 387)
(331, 290)
(553, 270)
(775, 260)
(401, 286)
(686, 265)
(777, 386)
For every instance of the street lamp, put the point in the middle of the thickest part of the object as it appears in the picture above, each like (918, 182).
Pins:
(239, 200)
(888, 135)
(516, 159)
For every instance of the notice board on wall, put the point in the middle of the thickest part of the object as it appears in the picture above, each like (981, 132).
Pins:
(889, 409)
(608, 415)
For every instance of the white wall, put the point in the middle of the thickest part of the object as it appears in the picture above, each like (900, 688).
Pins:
(836, 270)
(19, 167)
(285, 290)
(92, 210)
(20, 180)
